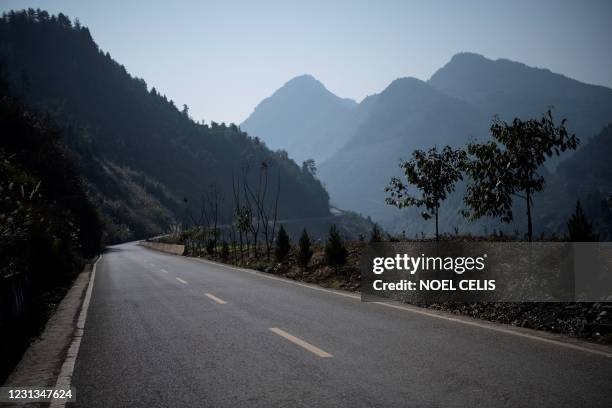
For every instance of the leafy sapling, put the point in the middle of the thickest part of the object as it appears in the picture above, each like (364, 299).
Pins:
(509, 166)
(434, 174)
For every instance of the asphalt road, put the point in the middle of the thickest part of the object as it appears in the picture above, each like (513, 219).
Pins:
(168, 331)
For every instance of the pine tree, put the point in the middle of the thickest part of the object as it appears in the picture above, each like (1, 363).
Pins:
(305, 251)
(579, 227)
(283, 245)
(376, 234)
(335, 252)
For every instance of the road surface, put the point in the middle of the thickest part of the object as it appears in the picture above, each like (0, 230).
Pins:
(169, 331)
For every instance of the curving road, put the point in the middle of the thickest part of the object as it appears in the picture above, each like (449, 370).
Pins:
(168, 331)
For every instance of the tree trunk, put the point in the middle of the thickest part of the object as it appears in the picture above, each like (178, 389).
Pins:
(241, 245)
(437, 235)
(529, 225)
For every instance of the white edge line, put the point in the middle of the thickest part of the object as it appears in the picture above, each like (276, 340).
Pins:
(182, 281)
(492, 326)
(414, 309)
(64, 378)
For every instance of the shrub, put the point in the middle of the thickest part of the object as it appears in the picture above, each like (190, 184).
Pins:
(305, 249)
(579, 227)
(283, 245)
(335, 252)
(210, 246)
(225, 252)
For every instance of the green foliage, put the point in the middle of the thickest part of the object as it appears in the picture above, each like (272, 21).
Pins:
(305, 251)
(376, 234)
(242, 219)
(335, 251)
(509, 165)
(434, 173)
(579, 227)
(283, 245)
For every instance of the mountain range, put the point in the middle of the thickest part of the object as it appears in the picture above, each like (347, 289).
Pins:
(456, 105)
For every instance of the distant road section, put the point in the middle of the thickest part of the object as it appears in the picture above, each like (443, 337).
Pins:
(165, 330)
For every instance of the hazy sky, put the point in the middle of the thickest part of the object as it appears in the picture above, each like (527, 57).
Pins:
(223, 57)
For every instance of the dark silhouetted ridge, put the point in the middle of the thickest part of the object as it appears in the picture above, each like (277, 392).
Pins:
(145, 162)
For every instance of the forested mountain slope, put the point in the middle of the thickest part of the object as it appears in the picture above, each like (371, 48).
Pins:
(145, 162)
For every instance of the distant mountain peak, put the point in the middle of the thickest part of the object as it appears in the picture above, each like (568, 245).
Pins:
(468, 56)
(301, 83)
(307, 86)
(300, 117)
(479, 67)
(405, 83)
(304, 79)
